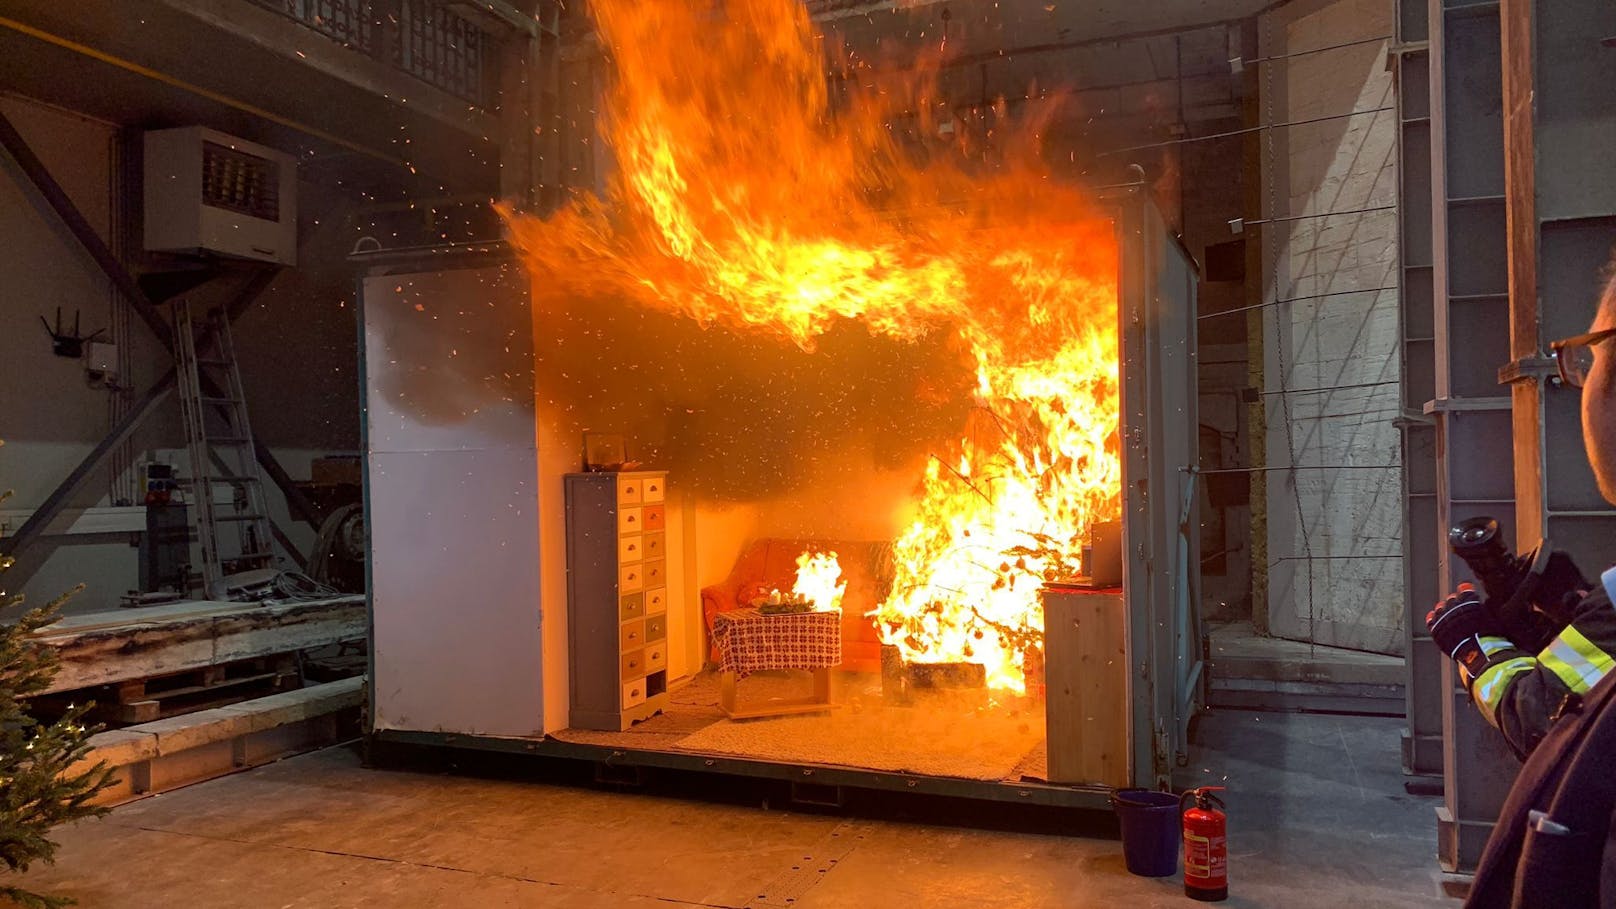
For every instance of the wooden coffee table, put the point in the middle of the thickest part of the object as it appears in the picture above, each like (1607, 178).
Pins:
(749, 641)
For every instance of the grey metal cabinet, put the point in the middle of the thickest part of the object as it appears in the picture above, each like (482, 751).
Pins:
(617, 597)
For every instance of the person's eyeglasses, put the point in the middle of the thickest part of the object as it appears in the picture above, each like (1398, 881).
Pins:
(1575, 356)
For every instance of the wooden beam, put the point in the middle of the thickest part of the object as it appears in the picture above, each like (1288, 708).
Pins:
(123, 645)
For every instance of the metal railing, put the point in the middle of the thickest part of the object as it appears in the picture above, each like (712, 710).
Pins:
(418, 37)
(444, 50)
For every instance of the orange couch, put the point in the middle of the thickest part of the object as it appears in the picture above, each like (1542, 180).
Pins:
(771, 564)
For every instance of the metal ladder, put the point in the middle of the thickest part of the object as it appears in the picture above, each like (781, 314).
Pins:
(220, 440)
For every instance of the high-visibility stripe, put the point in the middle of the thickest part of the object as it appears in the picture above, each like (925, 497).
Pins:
(1491, 645)
(1610, 583)
(1494, 681)
(1578, 663)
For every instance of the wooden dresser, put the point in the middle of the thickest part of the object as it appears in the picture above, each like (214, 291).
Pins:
(617, 597)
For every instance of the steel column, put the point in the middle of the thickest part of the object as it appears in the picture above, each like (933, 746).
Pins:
(1471, 412)
(1422, 740)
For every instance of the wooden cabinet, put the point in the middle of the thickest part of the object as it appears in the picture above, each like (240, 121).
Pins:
(1086, 684)
(617, 599)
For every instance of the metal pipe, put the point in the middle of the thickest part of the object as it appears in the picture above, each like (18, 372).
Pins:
(1322, 214)
(1246, 130)
(1318, 50)
(1326, 389)
(1336, 558)
(1333, 293)
(1251, 470)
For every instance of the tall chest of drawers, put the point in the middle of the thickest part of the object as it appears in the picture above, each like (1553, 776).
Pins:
(617, 597)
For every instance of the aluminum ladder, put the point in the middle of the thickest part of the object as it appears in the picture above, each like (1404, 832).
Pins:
(223, 456)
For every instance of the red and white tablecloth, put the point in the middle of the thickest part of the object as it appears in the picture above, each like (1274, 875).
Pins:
(749, 641)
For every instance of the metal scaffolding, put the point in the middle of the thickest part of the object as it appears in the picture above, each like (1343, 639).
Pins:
(1507, 220)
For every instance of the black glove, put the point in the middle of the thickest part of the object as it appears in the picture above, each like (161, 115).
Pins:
(1458, 625)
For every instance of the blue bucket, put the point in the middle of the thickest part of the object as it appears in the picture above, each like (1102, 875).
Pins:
(1150, 831)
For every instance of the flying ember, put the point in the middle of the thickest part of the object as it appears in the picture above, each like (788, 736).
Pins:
(765, 183)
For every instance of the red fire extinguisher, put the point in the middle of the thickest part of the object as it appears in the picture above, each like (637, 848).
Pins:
(1206, 850)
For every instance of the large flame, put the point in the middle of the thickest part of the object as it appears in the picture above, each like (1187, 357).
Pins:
(819, 580)
(750, 194)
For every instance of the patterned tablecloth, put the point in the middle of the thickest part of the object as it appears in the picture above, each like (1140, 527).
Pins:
(749, 641)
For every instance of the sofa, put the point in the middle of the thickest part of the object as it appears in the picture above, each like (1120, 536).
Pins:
(771, 564)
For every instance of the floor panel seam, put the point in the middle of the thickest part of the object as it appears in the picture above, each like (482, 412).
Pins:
(832, 848)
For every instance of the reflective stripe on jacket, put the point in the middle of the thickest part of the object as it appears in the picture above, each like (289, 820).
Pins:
(1522, 694)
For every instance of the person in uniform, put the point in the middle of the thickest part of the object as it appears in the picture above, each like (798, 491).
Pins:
(1553, 844)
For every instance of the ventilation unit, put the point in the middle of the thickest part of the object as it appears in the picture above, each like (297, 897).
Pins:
(207, 192)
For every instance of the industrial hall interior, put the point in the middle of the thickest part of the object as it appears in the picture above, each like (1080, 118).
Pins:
(801, 454)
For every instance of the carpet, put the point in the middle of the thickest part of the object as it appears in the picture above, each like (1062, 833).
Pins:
(946, 734)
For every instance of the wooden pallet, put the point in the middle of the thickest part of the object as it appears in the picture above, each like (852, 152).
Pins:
(144, 700)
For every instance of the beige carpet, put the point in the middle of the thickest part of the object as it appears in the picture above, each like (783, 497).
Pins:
(941, 735)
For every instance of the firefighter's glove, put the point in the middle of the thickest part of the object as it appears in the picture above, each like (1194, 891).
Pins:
(1458, 624)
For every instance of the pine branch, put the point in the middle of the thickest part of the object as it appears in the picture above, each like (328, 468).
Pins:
(28, 900)
(43, 778)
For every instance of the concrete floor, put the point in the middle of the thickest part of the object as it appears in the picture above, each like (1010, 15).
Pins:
(1318, 819)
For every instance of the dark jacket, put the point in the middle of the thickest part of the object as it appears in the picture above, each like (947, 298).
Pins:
(1566, 859)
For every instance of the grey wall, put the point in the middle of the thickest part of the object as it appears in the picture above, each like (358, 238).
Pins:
(1332, 367)
(296, 345)
(49, 414)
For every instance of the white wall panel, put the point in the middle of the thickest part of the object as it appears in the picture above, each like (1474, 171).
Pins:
(452, 477)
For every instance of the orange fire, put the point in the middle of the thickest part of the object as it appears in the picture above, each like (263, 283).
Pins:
(749, 193)
(819, 580)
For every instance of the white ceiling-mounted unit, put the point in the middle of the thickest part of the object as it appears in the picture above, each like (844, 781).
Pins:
(207, 192)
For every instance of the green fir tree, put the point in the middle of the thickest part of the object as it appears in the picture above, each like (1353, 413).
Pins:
(40, 784)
